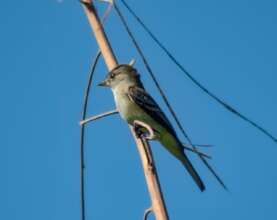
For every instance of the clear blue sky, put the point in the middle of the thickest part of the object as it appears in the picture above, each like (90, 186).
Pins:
(46, 51)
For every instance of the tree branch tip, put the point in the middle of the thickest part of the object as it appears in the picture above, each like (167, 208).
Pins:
(132, 62)
(85, 2)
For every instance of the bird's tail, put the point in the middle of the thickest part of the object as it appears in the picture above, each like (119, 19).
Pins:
(174, 146)
(185, 161)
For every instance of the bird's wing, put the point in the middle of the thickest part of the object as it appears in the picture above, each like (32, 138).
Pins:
(149, 105)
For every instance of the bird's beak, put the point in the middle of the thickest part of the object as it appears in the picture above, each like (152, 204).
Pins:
(104, 83)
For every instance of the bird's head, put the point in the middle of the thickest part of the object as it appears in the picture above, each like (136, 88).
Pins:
(121, 75)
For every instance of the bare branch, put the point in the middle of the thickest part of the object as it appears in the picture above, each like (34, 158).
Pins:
(96, 117)
(152, 178)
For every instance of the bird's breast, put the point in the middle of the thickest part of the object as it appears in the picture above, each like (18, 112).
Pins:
(122, 103)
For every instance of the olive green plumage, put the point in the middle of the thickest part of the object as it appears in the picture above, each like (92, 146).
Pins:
(134, 103)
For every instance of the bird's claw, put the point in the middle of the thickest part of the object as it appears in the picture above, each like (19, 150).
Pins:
(138, 128)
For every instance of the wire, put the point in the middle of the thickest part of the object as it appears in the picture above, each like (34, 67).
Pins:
(197, 83)
(163, 94)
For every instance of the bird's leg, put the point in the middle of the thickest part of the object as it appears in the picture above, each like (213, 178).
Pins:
(139, 126)
(149, 135)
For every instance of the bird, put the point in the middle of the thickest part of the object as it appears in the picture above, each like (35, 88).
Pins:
(135, 104)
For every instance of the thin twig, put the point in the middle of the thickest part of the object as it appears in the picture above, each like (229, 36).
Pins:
(82, 138)
(147, 212)
(96, 117)
(196, 151)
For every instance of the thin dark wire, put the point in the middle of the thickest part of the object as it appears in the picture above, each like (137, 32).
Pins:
(82, 143)
(181, 67)
(163, 94)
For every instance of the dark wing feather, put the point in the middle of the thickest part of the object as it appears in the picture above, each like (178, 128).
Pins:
(149, 105)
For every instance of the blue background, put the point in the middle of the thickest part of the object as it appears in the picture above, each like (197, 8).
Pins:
(46, 51)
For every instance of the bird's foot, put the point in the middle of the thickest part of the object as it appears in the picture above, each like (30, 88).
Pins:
(140, 128)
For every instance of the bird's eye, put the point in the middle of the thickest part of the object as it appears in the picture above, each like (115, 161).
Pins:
(112, 75)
